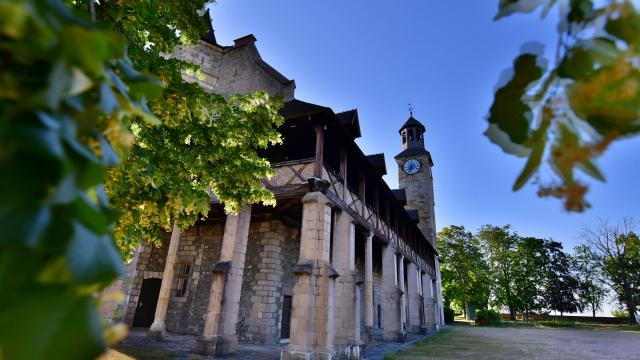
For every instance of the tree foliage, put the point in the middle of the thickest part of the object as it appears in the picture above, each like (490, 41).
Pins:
(618, 248)
(500, 244)
(592, 289)
(463, 270)
(529, 275)
(205, 144)
(67, 94)
(571, 111)
(561, 286)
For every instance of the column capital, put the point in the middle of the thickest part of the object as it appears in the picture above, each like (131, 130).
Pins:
(315, 197)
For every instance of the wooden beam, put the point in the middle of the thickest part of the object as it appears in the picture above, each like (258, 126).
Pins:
(319, 160)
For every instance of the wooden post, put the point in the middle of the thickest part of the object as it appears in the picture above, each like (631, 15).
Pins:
(319, 159)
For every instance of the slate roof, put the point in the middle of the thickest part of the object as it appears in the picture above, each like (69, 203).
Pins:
(351, 121)
(412, 122)
(415, 151)
(400, 194)
(273, 72)
(210, 36)
(296, 108)
(413, 213)
(377, 161)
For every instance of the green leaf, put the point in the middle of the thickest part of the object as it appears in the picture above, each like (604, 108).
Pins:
(50, 322)
(538, 143)
(23, 225)
(625, 24)
(583, 59)
(509, 7)
(89, 214)
(92, 258)
(38, 140)
(510, 116)
(592, 170)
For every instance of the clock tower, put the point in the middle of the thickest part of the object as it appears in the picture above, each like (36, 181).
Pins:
(414, 176)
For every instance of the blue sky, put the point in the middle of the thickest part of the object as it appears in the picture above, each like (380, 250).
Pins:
(445, 58)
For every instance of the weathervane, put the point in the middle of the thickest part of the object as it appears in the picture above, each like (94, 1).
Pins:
(410, 110)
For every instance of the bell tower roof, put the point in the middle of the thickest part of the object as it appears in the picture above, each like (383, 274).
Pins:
(412, 123)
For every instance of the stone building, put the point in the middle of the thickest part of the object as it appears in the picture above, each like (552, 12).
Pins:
(340, 262)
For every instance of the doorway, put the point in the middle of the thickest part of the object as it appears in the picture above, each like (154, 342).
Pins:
(146, 309)
(285, 326)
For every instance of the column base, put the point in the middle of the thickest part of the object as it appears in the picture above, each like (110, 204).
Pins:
(397, 336)
(352, 352)
(216, 345)
(318, 353)
(416, 329)
(156, 332)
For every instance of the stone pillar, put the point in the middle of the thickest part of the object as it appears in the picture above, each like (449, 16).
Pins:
(158, 327)
(438, 297)
(390, 296)
(219, 335)
(368, 286)
(313, 290)
(403, 295)
(429, 305)
(414, 299)
(347, 317)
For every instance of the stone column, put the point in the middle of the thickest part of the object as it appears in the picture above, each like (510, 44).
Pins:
(158, 327)
(403, 295)
(429, 309)
(347, 310)
(313, 290)
(438, 297)
(390, 296)
(368, 285)
(219, 335)
(414, 299)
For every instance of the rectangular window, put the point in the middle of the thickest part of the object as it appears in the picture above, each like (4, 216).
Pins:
(379, 316)
(184, 274)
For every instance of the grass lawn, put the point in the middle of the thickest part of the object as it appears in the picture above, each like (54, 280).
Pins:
(514, 343)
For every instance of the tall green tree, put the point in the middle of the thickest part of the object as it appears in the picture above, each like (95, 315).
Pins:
(571, 109)
(618, 248)
(561, 287)
(528, 277)
(68, 92)
(592, 289)
(464, 273)
(500, 247)
(205, 144)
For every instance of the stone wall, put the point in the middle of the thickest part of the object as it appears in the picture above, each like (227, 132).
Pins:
(200, 248)
(419, 190)
(272, 251)
(233, 70)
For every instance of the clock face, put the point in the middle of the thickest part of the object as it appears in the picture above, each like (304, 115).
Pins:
(411, 166)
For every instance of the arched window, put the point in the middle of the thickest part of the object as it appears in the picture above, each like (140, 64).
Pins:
(411, 135)
(404, 137)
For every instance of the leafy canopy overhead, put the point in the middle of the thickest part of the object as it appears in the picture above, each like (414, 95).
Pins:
(64, 114)
(570, 112)
(205, 144)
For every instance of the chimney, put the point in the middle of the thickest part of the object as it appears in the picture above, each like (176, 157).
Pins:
(245, 40)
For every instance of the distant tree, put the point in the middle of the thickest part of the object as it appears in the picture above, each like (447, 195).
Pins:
(500, 248)
(463, 270)
(592, 290)
(618, 248)
(528, 279)
(561, 287)
(570, 112)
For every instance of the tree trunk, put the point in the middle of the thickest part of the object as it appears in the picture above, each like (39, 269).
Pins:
(593, 309)
(631, 306)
